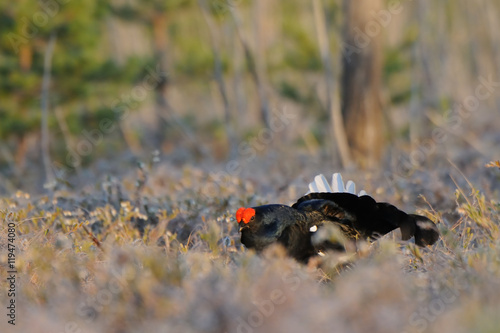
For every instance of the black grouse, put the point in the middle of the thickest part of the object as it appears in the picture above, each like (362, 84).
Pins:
(357, 217)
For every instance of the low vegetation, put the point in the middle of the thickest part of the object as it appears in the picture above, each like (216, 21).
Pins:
(164, 255)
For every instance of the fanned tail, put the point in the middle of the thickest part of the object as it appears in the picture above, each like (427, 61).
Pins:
(320, 185)
(371, 217)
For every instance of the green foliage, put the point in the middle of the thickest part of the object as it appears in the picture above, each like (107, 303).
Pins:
(78, 65)
(397, 64)
(198, 60)
(16, 124)
(302, 52)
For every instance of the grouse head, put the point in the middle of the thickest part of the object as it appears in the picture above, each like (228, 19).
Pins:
(263, 225)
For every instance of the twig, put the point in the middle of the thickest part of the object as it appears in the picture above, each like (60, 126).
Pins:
(47, 65)
(63, 125)
(218, 75)
(252, 67)
(94, 239)
(337, 122)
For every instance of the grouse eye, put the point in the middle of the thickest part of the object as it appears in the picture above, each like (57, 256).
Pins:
(248, 215)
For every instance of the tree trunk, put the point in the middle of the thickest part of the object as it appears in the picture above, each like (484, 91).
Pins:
(219, 77)
(47, 68)
(164, 112)
(332, 105)
(361, 77)
(160, 42)
(256, 70)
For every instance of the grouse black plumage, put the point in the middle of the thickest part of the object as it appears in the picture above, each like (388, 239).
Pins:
(357, 217)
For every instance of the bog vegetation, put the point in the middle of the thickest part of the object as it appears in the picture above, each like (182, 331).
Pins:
(132, 131)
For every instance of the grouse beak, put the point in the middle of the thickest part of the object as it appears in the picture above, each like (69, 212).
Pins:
(243, 227)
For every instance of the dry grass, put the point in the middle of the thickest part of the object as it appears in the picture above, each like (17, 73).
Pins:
(165, 256)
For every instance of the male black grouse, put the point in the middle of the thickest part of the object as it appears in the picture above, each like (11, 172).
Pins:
(356, 216)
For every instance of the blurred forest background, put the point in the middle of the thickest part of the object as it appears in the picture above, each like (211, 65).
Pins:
(131, 131)
(88, 87)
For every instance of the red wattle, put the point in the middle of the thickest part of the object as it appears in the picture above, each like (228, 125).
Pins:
(248, 214)
(239, 214)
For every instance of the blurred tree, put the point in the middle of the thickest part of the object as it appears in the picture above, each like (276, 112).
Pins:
(361, 78)
(261, 52)
(83, 79)
(336, 120)
(157, 15)
(208, 13)
(255, 58)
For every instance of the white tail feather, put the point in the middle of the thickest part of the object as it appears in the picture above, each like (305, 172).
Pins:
(350, 187)
(337, 183)
(320, 184)
(312, 187)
